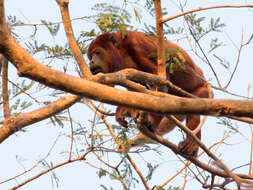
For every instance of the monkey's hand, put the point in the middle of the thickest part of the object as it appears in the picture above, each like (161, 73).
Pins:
(188, 147)
(122, 113)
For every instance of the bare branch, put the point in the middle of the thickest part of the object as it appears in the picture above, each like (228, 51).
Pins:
(236, 65)
(117, 141)
(204, 54)
(34, 166)
(218, 162)
(13, 124)
(160, 44)
(161, 140)
(51, 169)
(71, 39)
(3, 26)
(206, 8)
(5, 89)
(138, 172)
(72, 135)
(99, 110)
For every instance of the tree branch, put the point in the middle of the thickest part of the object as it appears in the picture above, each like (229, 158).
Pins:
(218, 162)
(28, 67)
(51, 169)
(71, 39)
(160, 45)
(13, 124)
(206, 8)
(161, 140)
(5, 89)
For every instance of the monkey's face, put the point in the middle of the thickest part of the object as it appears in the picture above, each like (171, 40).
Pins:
(98, 61)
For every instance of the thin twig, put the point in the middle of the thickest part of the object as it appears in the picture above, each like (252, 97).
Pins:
(204, 54)
(99, 110)
(185, 178)
(235, 177)
(201, 123)
(118, 141)
(72, 136)
(236, 65)
(23, 91)
(188, 163)
(50, 169)
(36, 165)
(51, 23)
(138, 172)
(206, 8)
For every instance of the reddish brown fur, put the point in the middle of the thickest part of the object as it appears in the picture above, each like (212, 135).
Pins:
(112, 52)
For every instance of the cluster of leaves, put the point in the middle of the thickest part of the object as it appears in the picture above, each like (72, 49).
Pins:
(14, 21)
(199, 30)
(108, 18)
(174, 60)
(196, 24)
(56, 51)
(111, 18)
(54, 179)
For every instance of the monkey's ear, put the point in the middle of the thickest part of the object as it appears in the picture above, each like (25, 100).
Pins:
(115, 41)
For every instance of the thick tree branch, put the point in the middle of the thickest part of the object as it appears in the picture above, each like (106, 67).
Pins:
(3, 26)
(160, 47)
(5, 89)
(30, 68)
(13, 124)
(122, 77)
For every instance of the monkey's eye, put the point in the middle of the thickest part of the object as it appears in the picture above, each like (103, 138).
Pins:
(98, 52)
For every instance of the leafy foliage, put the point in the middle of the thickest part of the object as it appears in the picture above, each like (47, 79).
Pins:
(52, 28)
(14, 21)
(151, 169)
(196, 24)
(111, 18)
(54, 179)
(174, 60)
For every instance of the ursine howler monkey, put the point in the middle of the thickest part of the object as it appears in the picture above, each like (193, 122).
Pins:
(111, 52)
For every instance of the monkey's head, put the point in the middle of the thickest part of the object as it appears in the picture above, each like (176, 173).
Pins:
(104, 54)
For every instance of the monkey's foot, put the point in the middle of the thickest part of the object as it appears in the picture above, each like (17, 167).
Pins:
(122, 121)
(188, 147)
